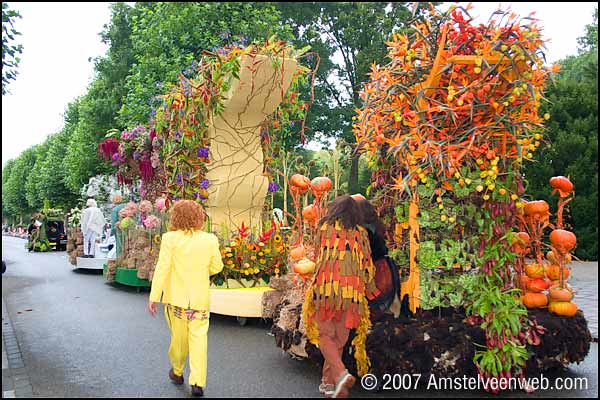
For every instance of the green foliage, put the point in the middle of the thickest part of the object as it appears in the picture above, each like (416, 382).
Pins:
(32, 192)
(446, 290)
(573, 133)
(13, 191)
(167, 37)
(10, 51)
(90, 117)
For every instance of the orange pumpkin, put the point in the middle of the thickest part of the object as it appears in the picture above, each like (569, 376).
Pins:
(304, 266)
(538, 285)
(520, 242)
(309, 213)
(524, 279)
(553, 272)
(560, 294)
(301, 182)
(534, 300)
(321, 184)
(555, 259)
(563, 241)
(535, 270)
(298, 252)
(562, 184)
(563, 308)
(537, 208)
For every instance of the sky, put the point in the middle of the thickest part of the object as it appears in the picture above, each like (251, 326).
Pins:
(59, 38)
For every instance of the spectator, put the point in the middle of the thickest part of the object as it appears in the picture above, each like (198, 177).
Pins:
(92, 222)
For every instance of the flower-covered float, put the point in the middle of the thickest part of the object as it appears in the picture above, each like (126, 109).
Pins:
(215, 139)
(447, 123)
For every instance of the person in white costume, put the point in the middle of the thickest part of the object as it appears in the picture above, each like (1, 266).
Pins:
(92, 223)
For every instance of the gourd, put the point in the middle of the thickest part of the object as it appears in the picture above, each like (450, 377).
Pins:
(304, 266)
(563, 241)
(534, 300)
(563, 308)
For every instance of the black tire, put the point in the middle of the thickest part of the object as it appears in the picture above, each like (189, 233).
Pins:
(3, 266)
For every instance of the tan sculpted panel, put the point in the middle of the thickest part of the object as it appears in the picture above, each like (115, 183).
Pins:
(238, 187)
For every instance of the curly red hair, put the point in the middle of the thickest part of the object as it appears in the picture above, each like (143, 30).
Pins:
(186, 215)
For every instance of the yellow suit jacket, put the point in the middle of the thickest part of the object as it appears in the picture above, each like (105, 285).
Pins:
(185, 264)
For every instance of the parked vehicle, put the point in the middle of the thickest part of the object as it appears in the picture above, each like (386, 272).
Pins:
(55, 232)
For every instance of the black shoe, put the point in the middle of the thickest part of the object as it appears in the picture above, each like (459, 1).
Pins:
(197, 391)
(178, 380)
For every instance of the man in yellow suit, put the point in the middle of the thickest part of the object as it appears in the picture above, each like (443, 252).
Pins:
(188, 257)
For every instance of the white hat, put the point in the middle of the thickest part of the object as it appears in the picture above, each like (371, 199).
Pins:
(91, 203)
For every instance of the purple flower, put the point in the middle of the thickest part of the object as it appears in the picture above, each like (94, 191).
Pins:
(179, 179)
(204, 183)
(136, 155)
(196, 194)
(273, 187)
(177, 134)
(115, 156)
(203, 152)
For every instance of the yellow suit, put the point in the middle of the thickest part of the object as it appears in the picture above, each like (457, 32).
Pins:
(182, 279)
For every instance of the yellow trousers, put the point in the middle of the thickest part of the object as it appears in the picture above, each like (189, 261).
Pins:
(188, 337)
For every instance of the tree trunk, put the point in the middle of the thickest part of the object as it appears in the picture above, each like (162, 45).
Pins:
(353, 176)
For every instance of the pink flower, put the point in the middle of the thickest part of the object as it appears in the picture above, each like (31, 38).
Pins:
(145, 206)
(152, 222)
(125, 212)
(133, 208)
(160, 204)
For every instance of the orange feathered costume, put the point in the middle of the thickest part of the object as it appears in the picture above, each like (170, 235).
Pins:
(343, 282)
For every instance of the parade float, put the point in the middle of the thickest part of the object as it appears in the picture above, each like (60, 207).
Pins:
(215, 139)
(448, 123)
(100, 188)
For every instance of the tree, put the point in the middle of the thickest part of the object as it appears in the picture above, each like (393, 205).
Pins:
(356, 32)
(7, 212)
(10, 51)
(573, 134)
(13, 192)
(35, 200)
(168, 37)
(90, 117)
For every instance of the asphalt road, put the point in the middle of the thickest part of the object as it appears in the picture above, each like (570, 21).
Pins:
(83, 337)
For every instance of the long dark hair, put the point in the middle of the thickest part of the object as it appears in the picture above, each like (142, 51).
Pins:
(369, 216)
(343, 209)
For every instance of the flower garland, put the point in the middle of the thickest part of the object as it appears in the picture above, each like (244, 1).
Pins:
(182, 120)
(135, 153)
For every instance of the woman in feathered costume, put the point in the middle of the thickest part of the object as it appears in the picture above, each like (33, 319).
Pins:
(337, 299)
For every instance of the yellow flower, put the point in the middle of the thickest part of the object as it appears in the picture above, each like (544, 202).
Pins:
(227, 250)
(276, 270)
(230, 262)
(267, 250)
(256, 270)
(253, 258)
(261, 253)
(157, 239)
(261, 244)
(229, 255)
(262, 261)
(277, 238)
